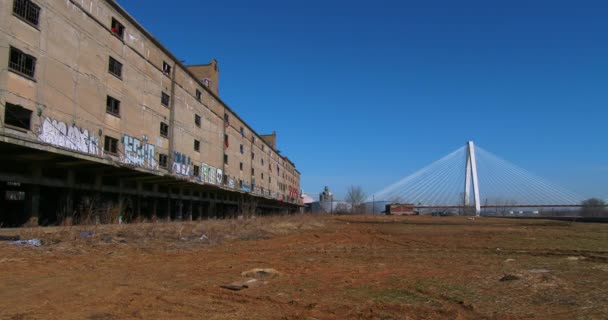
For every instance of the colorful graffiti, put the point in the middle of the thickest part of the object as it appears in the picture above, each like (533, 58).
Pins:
(181, 164)
(138, 153)
(59, 134)
(212, 177)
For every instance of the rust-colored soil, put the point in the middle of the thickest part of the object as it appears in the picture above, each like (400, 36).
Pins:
(347, 267)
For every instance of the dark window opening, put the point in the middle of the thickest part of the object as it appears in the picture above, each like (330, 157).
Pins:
(110, 145)
(197, 145)
(242, 132)
(17, 116)
(164, 130)
(113, 106)
(197, 120)
(164, 99)
(252, 171)
(225, 179)
(195, 171)
(118, 29)
(22, 63)
(198, 95)
(115, 67)
(242, 149)
(162, 160)
(166, 68)
(240, 183)
(241, 166)
(253, 155)
(226, 159)
(27, 10)
(226, 118)
(207, 82)
(226, 143)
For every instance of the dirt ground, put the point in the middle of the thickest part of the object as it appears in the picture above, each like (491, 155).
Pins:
(341, 267)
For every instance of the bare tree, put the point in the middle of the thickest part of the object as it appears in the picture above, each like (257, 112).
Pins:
(593, 207)
(356, 197)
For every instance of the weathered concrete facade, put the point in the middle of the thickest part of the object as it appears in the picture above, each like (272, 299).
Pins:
(96, 112)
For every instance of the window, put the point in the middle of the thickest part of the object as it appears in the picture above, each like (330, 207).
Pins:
(226, 159)
(252, 171)
(241, 149)
(252, 155)
(269, 179)
(118, 29)
(164, 130)
(17, 116)
(115, 68)
(197, 120)
(198, 95)
(22, 63)
(226, 144)
(262, 175)
(113, 106)
(241, 166)
(195, 171)
(225, 179)
(27, 10)
(242, 132)
(166, 68)
(240, 183)
(226, 118)
(207, 82)
(162, 160)
(110, 145)
(197, 145)
(262, 161)
(164, 99)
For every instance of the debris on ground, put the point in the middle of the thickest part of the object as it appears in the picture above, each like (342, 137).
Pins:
(261, 273)
(509, 277)
(9, 238)
(31, 242)
(509, 260)
(575, 258)
(243, 284)
(86, 234)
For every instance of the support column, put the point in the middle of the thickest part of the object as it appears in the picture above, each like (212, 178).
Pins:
(471, 170)
(34, 198)
(69, 204)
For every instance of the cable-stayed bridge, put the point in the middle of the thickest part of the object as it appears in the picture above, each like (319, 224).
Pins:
(471, 177)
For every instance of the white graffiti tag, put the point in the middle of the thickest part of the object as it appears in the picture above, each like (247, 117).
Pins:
(59, 134)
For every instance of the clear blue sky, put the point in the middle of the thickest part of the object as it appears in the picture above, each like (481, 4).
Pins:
(364, 92)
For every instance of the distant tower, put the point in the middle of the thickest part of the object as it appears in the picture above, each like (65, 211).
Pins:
(326, 195)
(471, 172)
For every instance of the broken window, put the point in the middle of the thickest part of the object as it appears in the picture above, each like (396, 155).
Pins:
(22, 63)
(226, 118)
(164, 99)
(198, 95)
(241, 166)
(197, 120)
(27, 10)
(197, 145)
(118, 29)
(164, 130)
(166, 68)
(115, 68)
(17, 116)
(242, 132)
(113, 106)
(162, 160)
(110, 145)
(226, 159)
(252, 171)
(195, 171)
(226, 143)
(242, 149)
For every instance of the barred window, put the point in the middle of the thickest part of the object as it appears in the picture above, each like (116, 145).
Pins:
(164, 129)
(118, 29)
(110, 145)
(162, 160)
(113, 106)
(164, 99)
(17, 116)
(115, 67)
(166, 68)
(27, 10)
(22, 63)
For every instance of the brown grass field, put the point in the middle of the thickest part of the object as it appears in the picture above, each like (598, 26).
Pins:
(331, 267)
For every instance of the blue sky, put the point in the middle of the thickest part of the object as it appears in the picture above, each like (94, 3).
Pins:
(364, 93)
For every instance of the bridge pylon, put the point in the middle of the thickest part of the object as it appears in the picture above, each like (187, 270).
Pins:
(471, 178)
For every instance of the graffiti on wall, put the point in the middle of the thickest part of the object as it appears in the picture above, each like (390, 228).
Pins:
(139, 153)
(59, 134)
(212, 177)
(181, 164)
(231, 183)
(219, 176)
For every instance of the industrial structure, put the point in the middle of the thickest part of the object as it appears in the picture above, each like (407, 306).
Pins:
(100, 121)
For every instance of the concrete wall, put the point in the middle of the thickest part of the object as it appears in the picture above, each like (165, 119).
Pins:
(67, 96)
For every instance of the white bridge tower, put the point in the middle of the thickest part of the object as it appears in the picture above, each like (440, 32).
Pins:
(471, 172)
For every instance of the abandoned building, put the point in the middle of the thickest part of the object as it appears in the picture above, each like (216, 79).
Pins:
(100, 123)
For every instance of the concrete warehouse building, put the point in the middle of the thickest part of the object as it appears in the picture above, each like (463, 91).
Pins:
(100, 121)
